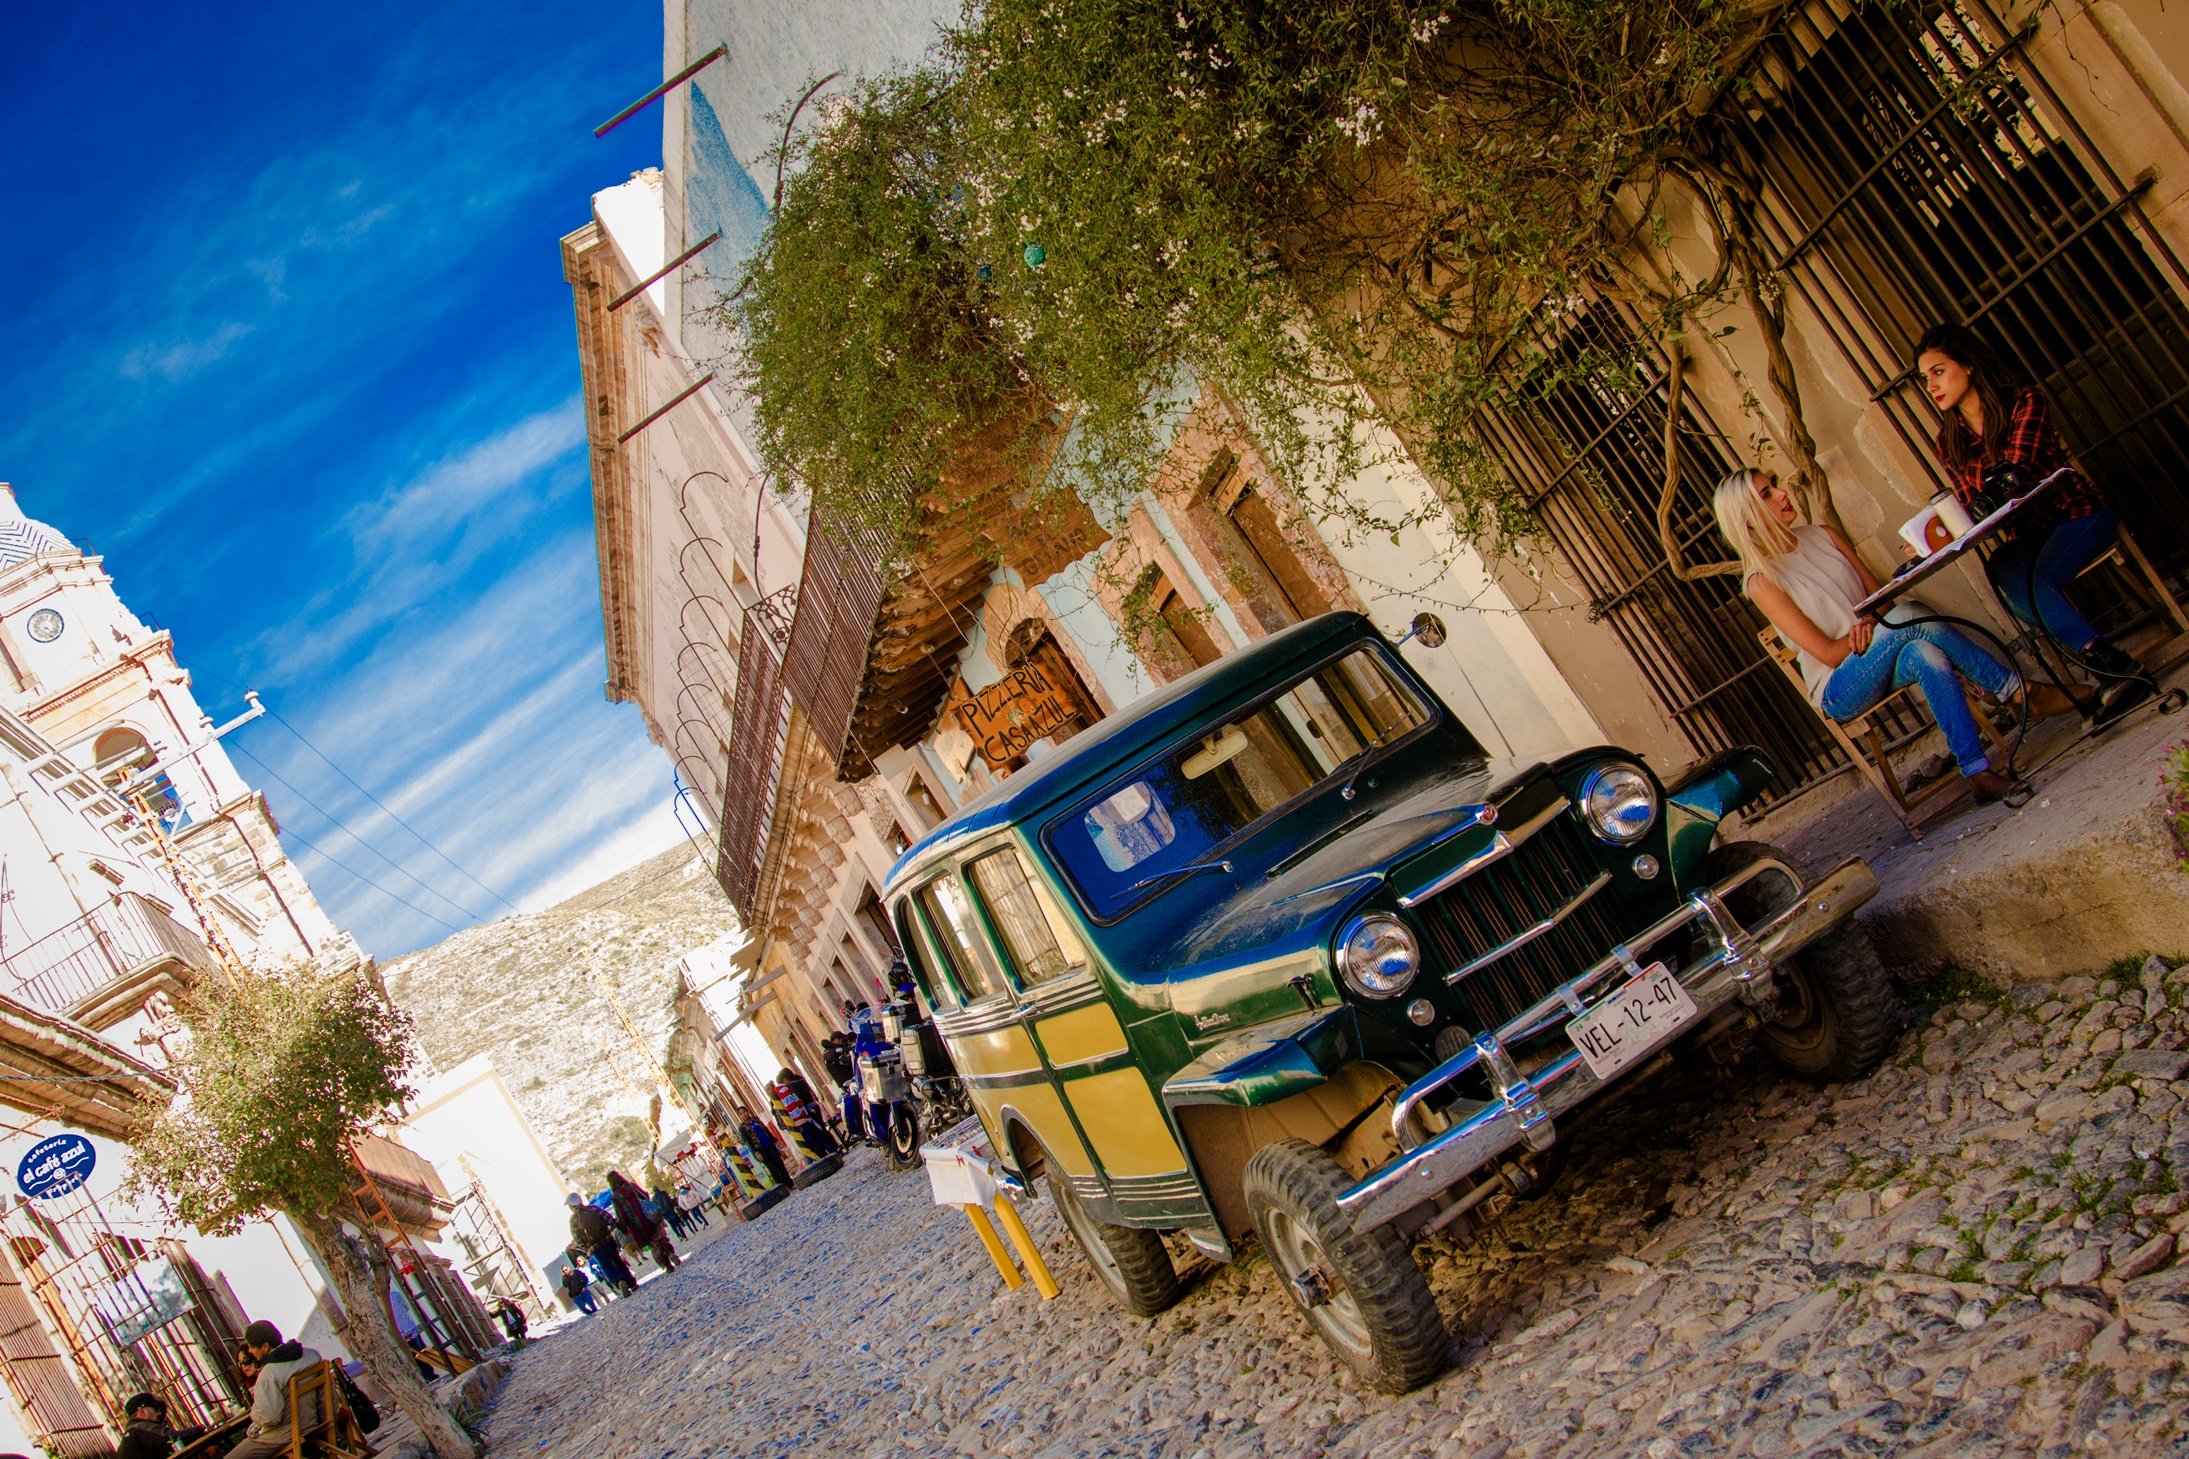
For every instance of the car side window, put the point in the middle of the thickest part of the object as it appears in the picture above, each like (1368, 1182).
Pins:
(1040, 942)
(960, 938)
(921, 953)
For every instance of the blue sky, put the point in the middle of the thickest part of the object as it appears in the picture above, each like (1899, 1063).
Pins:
(291, 346)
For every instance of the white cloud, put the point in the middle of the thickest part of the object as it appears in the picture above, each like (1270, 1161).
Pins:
(407, 545)
(466, 482)
(180, 359)
(633, 821)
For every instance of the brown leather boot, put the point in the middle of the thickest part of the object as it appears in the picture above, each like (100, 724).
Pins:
(2046, 700)
(1991, 787)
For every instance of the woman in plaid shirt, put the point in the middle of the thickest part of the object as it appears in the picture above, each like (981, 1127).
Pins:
(1991, 417)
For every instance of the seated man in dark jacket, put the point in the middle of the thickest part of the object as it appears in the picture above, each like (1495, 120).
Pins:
(148, 1436)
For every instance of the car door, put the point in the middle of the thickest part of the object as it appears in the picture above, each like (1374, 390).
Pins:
(986, 1028)
(1143, 1174)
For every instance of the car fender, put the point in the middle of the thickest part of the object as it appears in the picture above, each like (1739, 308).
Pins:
(1703, 795)
(1270, 1061)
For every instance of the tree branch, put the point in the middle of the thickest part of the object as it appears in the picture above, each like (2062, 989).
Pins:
(1668, 493)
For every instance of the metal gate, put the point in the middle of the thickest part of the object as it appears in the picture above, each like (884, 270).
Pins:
(1918, 173)
(1582, 435)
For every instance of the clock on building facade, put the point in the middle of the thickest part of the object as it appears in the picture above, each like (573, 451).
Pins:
(45, 625)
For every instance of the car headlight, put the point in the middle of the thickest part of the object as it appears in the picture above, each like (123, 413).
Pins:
(1378, 956)
(1620, 802)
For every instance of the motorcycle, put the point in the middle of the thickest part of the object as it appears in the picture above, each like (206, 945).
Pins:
(929, 1095)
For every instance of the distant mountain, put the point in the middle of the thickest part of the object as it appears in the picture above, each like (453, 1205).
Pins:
(518, 990)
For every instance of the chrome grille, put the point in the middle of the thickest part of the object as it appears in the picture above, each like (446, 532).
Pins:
(1543, 877)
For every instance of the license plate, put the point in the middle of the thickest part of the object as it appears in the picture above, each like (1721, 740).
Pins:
(1632, 1021)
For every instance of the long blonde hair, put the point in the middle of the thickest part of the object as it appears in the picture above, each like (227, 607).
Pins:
(1755, 535)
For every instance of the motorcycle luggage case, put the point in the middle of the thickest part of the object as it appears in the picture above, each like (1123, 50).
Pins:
(924, 1054)
(883, 1080)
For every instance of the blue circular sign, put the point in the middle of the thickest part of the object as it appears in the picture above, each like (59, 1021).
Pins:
(55, 1166)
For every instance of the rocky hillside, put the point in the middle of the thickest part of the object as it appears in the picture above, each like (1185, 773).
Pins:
(518, 990)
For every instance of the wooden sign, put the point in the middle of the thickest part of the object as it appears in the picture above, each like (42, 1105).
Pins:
(1003, 719)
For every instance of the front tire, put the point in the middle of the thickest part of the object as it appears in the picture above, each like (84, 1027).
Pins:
(904, 1136)
(1360, 1290)
(1134, 1264)
(1837, 1017)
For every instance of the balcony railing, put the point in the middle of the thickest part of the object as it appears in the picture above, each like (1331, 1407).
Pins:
(93, 965)
(756, 753)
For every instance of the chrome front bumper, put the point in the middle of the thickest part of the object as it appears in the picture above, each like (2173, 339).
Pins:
(1523, 1111)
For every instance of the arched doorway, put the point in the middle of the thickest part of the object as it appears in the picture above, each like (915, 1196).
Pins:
(119, 755)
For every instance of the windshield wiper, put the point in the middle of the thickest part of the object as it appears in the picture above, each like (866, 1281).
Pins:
(1149, 881)
(1361, 762)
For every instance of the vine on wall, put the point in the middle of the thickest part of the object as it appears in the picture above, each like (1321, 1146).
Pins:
(1330, 218)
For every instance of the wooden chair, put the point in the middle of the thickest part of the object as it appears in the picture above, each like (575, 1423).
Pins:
(321, 1425)
(2129, 558)
(1863, 738)
(447, 1363)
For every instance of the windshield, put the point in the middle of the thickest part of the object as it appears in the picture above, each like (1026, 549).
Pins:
(1173, 813)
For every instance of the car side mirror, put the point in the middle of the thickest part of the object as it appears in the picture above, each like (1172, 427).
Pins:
(1428, 628)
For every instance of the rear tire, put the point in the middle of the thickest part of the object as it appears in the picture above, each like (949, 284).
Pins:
(1837, 1016)
(1134, 1264)
(1376, 1313)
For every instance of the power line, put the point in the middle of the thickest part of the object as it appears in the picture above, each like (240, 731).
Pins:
(415, 835)
(339, 825)
(275, 715)
(368, 881)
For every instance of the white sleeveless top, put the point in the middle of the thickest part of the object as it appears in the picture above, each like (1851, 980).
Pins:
(1825, 587)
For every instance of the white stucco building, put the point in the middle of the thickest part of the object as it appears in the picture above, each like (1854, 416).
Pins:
(135, 861)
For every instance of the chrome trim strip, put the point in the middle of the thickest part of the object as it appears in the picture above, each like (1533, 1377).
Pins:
(1075, 1066)
(1067, 994)
(1502, 845)
(1550, 923)
(1739, 965)
(962, 1025)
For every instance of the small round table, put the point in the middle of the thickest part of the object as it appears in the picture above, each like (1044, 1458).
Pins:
(218, 1440)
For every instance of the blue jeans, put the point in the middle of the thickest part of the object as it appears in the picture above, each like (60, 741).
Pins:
(2061, 555)
(584, 1300)
(1933, 657)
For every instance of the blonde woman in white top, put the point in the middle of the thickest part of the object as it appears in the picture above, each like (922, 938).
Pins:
(1807, 580)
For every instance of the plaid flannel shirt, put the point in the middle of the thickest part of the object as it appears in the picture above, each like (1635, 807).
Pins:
(2031, 443)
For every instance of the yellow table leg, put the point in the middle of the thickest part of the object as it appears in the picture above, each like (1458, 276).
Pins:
(1035, 1267)
(989, 1239)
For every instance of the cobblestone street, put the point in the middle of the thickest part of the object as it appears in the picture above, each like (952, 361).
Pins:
(1971, 1253)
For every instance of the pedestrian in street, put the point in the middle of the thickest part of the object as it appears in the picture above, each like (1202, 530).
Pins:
(795, 1107)
(512, 1319)
(760, 1142)
(576, 1286)
(693, 1203)
(593, 1233)
(796, 1083)
(663, 1207)
(645, 1232)
(843, 1072)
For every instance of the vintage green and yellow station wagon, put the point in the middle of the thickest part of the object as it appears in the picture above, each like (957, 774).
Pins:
(1279, 950)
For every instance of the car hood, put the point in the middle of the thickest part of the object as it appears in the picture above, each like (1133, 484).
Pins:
(1279, 900)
